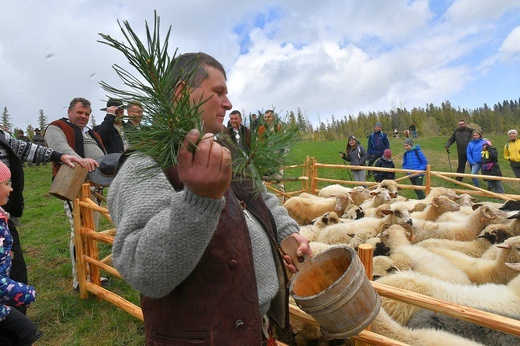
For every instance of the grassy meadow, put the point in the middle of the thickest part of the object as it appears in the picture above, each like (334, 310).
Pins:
(67, 320)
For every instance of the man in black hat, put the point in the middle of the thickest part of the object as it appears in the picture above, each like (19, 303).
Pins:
(111, 129)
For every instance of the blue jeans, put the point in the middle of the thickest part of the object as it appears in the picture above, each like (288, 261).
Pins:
(474, 170)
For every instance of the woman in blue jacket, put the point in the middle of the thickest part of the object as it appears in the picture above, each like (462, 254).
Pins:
(413, 158)
(473, 151)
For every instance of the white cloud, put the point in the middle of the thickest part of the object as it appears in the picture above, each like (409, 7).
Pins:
(325, 57)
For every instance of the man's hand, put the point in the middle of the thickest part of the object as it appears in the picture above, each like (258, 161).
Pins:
(205, 169)
(112, 110)
(89, 164)
(303, 249)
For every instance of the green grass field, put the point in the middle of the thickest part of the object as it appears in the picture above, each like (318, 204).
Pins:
(68, 320)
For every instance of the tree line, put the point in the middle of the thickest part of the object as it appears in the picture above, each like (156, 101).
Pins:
(430, 121)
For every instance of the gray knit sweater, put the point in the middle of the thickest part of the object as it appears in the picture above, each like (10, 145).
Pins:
(162, 234)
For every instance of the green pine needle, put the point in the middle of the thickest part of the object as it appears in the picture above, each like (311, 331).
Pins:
(169, 117)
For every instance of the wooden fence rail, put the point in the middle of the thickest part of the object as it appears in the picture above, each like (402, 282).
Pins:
(311, 180)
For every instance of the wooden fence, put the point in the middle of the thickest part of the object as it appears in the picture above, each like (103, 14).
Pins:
(89, 266)
(311, 181)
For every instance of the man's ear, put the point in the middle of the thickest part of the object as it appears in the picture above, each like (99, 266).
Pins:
(177, 93)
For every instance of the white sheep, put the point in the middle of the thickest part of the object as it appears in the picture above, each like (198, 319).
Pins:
(492, 234)
(309, 195)
(467, 229)
(435, 192)
(397, 238)
(331, 190)
(466, 200)
(383, 266)
(379, 196)
(359, 194)
(500, 299)
(436, 208)
(390, 185)
(354, 212)
(311, 230)
(384, 325)
(344, 232)
(304, 210)
(483, 270)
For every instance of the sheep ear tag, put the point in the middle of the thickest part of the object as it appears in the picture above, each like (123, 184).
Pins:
(289, 247)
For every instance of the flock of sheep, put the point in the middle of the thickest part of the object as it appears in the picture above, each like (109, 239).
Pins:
(444, 246)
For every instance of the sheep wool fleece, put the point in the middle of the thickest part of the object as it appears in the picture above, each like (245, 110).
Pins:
(162, 234)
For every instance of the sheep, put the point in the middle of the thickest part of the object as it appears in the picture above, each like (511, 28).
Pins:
(379, 211)
(390, 185)
(500, 299)
(396, 237)
(383, 325)
(383, 266)
(331, 190)
(343, 233)
(492, 234)
(514, 225)
(510, 205)
(435, 192)
(311, 230)
(438, 206)
(379, 196)
(318, 247)
(483, 270)
(467, 229)
(304, 210)
(359, 194)
(308, 195)
(438, 321)
(466, 200)
(354, 213)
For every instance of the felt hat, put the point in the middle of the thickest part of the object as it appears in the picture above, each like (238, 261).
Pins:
(408, 141)
(5, 173)
(387, 153)
(114, 102)
(106, 171)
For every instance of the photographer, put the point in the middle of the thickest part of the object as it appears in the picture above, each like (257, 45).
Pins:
(356, 155)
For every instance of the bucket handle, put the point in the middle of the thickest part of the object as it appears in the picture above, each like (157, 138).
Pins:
(289, 247)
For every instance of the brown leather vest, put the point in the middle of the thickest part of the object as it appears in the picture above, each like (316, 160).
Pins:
(217, 304)
(74, 139)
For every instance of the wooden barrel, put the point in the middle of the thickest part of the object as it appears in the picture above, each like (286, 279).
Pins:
(334, 290)
(67, 182)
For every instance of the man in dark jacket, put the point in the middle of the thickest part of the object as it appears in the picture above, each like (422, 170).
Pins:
(462, 136)
(377, 144)
(110, 130)
(238, 133)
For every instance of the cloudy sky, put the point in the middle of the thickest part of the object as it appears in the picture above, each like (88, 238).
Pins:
(324, 57)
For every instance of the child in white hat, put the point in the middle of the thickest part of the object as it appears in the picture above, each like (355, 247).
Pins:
(15, 327)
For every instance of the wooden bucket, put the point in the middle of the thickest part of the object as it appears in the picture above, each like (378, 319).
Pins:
(67, 183)
(333, 288)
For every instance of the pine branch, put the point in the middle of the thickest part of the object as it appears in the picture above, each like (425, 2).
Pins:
(170, 113)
